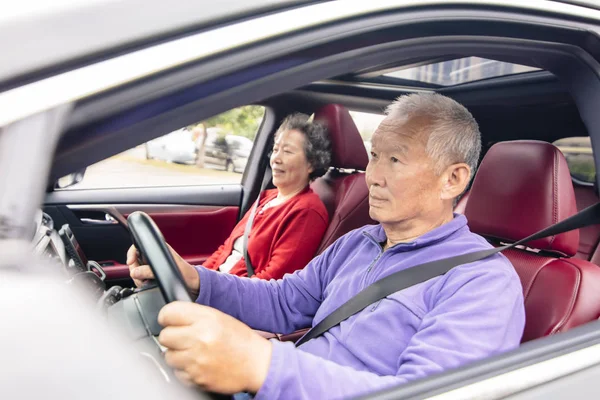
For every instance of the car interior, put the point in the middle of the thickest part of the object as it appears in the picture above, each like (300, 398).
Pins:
(531, 99)
(521, 187)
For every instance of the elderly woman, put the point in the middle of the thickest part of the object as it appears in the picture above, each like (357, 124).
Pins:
(289, 221)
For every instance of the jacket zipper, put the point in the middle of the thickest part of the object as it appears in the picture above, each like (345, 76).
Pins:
(375, 260)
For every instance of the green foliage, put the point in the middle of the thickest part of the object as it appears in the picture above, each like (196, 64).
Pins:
(241, 121)
(582, 169)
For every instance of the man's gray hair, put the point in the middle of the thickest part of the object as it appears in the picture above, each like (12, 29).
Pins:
(454, 135)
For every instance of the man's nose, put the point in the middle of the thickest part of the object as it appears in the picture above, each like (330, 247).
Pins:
(374, 175)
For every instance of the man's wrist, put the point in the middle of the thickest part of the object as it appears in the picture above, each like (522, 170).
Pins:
(260, 358)
(193, 282)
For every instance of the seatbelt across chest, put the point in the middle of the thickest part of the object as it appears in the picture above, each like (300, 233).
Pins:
(423, 272)
(248, 228)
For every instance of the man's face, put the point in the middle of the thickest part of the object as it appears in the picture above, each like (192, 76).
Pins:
(401, 177)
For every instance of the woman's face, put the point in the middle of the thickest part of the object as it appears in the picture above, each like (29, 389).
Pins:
(288, 162)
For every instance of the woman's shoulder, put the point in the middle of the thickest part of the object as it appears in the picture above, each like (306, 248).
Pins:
(310, 200)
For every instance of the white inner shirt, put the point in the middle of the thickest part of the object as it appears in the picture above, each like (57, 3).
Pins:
(235, 256)
(238, 245)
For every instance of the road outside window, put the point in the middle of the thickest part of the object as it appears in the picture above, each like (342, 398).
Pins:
(211, 152)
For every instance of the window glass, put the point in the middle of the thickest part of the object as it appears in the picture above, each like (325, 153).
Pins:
(209, 152)
(460, 70)
(366, 123)
(578, 152)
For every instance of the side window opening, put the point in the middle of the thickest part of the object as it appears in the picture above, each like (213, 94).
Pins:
(210, 152)
(366, 123)
(580, 158)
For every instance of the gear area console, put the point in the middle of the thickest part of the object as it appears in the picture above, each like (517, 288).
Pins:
(62, 247)
(133, 310)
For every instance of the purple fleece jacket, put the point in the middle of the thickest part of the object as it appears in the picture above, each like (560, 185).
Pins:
(474, 311)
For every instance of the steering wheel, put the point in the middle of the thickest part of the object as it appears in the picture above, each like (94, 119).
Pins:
(154, 251)
(141, 309)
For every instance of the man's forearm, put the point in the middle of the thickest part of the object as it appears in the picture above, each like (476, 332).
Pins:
(258, 303)
(292, 375)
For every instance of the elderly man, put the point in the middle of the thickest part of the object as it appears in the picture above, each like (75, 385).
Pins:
(423, 156)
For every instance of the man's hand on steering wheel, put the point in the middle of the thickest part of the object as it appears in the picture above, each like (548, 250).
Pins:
(143, 273)
(213, 350)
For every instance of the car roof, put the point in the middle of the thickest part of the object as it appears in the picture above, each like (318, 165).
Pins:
(582, 3)
(56, 36)
(62, 31)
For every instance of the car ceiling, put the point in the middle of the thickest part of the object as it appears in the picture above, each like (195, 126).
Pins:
(532, 108)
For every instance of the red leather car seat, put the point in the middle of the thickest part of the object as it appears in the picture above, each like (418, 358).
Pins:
(343, 188)
(522, 187)
(588, 237)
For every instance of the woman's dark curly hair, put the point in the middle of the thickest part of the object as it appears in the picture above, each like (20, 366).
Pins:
(317, 146)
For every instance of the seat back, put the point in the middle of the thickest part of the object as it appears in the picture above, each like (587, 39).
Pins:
(589, 237)
(343, 188)
(522, 187)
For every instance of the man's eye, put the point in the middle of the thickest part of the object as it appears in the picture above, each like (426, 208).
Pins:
(394, 159)
(287, 152)
(373, 155)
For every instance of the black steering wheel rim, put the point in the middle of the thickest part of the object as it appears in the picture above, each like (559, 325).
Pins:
(153, 249)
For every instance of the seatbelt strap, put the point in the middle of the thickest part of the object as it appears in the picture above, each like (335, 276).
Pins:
(248, 228)
(423, 272)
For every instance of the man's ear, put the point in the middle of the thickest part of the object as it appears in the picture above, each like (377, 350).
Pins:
(455, 180)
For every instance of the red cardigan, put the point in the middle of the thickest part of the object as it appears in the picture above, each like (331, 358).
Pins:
(283, 238)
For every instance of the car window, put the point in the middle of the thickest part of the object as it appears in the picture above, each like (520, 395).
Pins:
(366, 124)
(578, 152)
(209, 152)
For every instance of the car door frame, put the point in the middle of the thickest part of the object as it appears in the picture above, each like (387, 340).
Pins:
(585, 95)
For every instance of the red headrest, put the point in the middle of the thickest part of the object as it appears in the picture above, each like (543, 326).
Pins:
(522, 187)
(348, 149)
